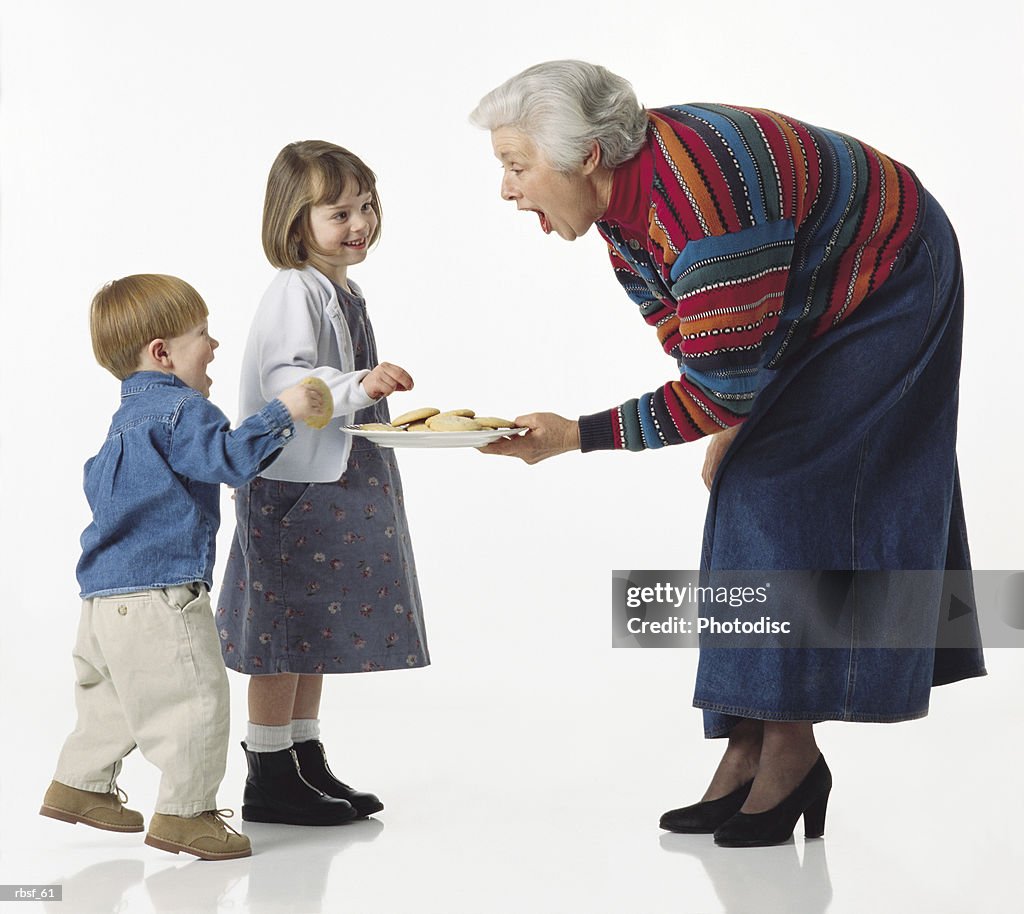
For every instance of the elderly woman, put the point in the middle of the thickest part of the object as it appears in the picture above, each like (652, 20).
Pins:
(809, 289)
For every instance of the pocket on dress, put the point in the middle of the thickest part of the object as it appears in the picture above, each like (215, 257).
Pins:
(295, 502)
(260, 506)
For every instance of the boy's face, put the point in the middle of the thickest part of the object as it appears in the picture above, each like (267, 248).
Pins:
(190, 354)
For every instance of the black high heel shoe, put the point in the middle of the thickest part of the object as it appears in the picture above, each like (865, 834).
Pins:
(703, 818)
(775, 826)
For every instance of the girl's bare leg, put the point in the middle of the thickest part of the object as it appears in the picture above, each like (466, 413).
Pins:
(272, 699)
(306, 705)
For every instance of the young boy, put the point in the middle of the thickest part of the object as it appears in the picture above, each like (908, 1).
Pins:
(147, 657)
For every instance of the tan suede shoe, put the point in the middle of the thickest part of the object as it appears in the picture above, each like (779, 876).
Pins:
(207, 835)
(100, 810)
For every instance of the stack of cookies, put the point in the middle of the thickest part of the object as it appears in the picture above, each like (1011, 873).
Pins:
(429, 419)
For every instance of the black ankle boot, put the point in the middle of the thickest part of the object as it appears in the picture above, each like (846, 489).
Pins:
(275, 791)
(703, 818)
(775, 826)
(313, 765)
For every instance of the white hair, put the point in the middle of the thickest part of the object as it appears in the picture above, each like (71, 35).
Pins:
(564, 106)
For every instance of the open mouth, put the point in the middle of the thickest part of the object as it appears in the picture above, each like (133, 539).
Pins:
(356, 245)
(545, 223)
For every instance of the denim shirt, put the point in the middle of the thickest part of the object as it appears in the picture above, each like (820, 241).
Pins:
(154, 487)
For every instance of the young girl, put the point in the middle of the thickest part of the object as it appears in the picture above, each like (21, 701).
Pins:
(320, 577)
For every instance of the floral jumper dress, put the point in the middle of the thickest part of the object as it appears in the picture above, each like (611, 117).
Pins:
(320, 577)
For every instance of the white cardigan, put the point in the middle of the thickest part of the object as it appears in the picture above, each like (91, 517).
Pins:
(299, 330)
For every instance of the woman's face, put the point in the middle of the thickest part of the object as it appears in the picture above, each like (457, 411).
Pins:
(567, 204)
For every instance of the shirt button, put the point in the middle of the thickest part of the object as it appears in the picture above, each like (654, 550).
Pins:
(122, 609)
(287, 433)
(634, 245)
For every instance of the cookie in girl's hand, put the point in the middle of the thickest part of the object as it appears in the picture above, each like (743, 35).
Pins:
(327, 410)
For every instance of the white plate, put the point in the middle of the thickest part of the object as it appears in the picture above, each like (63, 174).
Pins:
(435, 439)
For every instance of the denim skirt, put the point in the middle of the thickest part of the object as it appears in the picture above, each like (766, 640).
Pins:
(847, 462)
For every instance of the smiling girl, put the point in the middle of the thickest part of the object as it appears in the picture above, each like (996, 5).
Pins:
(320, 577)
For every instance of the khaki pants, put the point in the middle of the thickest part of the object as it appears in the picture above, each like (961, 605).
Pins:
(149, 674)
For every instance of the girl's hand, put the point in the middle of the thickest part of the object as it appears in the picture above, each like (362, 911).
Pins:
(717, 447)
(385, 379)
(549, 434)
(302, 401)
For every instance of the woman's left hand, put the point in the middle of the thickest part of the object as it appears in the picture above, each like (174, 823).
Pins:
(717, 446)
(549, 434)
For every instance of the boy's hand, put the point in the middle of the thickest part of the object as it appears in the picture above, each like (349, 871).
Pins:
(303, 401)
(385, 379)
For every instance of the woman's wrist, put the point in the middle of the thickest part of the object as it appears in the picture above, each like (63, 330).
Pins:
(572, 436)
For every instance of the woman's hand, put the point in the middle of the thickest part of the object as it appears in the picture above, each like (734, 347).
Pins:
(549, 434)
(385, 379)
(717, 447)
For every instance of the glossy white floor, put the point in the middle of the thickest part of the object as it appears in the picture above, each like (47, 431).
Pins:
(503, 798)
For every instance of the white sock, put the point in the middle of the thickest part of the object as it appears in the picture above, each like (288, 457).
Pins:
(305, 729)
(261, 738)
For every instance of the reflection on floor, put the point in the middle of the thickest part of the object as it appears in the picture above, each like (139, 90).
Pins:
(501, 802)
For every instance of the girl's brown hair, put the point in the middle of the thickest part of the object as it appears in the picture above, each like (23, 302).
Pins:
(306, 174)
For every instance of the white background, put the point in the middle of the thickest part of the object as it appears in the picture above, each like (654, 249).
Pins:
(527, 766)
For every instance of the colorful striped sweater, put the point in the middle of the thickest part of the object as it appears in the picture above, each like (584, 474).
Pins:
(741, 234)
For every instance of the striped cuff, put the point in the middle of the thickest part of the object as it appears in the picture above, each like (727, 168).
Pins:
(597, 432)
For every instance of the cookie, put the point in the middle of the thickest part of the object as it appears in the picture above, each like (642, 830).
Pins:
(493, 422)
(417, 427)
(450, 423)
(415, 415)
(321, 419)
(465, 413)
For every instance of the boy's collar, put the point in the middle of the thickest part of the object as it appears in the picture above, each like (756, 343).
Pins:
(141, 380)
